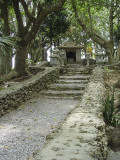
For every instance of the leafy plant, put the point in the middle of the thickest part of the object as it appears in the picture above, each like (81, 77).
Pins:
(1, 88)
(7, 42)
(109, 107)
(111, 117)
(116, 120)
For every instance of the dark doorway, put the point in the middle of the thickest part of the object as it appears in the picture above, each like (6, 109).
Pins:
(71, 56)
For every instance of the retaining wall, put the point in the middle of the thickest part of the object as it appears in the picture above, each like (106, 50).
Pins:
(14, 95)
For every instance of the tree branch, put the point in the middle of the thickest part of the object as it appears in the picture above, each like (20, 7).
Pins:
(116, 14)
(91, 33)
(25, 6)
(18, 17)
(38, 21)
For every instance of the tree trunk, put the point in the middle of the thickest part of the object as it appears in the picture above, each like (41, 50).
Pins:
(2, 63)
(118, 54)
(6, 57)
(111, 56)
(20, 63)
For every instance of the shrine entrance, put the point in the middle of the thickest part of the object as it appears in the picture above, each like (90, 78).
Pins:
(71, 56)
(72, 51)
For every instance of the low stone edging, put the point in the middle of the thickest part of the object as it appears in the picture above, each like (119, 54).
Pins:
(93, 101)
(14, 95)
(38, 68)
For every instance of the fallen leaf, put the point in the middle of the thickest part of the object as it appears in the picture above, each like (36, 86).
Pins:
(30, 110)
(52, 127)
(36, 119)
(22, 106)
(7, 147)
(2, 127)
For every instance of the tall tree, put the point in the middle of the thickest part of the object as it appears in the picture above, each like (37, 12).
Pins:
(29, 16)
(54, 26)
(87, 21)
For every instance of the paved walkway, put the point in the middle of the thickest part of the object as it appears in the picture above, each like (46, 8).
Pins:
(82, 136)
(24, 130)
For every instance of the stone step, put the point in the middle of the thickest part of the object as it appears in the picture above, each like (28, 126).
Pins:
(62, 81)
(67, 93)
(73, 73)
(65, 97)
(80, 77)
(69, 86)
(82, 70)
(74, 66)
(75, 70)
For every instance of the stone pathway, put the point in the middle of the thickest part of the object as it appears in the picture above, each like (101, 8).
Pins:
(24, 130)
(82, 136)
(70, 85)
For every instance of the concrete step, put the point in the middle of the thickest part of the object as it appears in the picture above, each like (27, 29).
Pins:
(69, 86)
(76, 69)
(67, 93)
(65, 97)
(80, 77)
(62, 81)
(73, 74)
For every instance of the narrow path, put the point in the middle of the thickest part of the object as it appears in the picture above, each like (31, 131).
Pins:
(24, 130)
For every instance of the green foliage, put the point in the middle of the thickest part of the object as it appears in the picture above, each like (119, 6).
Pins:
(55, 24)
(1, 88)
(109, 107)
(116, 120)
(110, 116)
(29, 61)
(117, 35)
(6, 43)
(40, 59)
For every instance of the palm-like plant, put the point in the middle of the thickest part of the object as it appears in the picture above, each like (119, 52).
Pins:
(6, 43)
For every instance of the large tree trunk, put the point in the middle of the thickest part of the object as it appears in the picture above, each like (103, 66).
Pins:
(5, 57)
(2, 63)
(111, 56)
(118, 54)
(5, 62)
(27, 33)
(21, 56)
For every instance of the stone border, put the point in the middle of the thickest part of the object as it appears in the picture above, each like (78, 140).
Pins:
(16, 94)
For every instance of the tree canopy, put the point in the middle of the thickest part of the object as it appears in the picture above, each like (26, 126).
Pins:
(43, 21)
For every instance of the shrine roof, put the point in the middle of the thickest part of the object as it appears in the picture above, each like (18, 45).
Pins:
(71, 45)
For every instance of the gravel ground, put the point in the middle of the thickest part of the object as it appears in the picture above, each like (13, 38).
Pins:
(114, 155)
(24, 130)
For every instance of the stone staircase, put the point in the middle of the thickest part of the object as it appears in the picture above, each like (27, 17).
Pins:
(71, 84)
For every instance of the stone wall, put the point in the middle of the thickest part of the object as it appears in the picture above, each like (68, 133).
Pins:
(38, 68)
(17, 93)
(93, 101)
